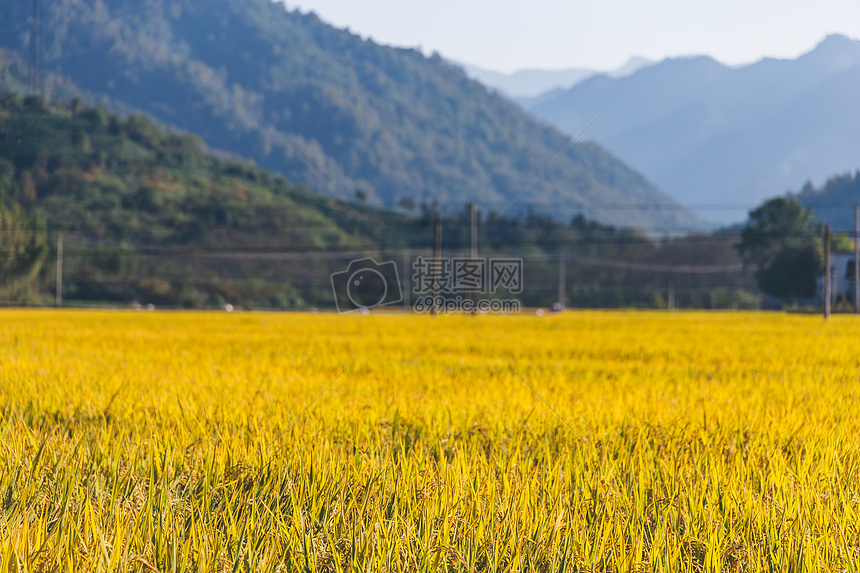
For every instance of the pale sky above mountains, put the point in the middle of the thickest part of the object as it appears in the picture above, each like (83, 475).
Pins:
(507, 35)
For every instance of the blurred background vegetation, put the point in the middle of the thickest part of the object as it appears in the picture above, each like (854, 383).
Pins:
(149, 215)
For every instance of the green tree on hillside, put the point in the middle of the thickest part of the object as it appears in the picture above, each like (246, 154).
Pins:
(784, 240)
(22, 247)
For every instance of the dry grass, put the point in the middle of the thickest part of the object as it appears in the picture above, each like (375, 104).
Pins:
(683, 442)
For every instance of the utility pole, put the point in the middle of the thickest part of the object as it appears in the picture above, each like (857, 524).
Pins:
(562, 259)
(59, 297)
(36, 48)
(671, 302)
(826, 272)
(437, 259)
(856, 259)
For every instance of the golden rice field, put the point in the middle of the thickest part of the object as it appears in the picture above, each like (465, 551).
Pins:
(589, 441)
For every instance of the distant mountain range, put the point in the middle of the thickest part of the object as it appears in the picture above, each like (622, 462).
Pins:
(720, 138)
(389, 122)
(531, 83)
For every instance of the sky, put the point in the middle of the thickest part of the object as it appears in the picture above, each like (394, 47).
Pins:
(508, 35)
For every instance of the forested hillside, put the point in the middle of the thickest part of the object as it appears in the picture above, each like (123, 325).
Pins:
(389, 122)
(151, 216)
(125, 194)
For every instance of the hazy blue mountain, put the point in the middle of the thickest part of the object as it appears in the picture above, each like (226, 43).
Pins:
(533, 83)
(390, 122)
(711, 134)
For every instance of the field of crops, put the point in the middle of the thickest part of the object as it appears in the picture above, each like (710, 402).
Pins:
(156, 441)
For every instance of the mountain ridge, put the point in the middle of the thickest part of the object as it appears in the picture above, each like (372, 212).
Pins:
(535, 82)
(708, 133)
(387, 121)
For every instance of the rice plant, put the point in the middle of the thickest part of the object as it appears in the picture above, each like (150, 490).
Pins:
(585, 441)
